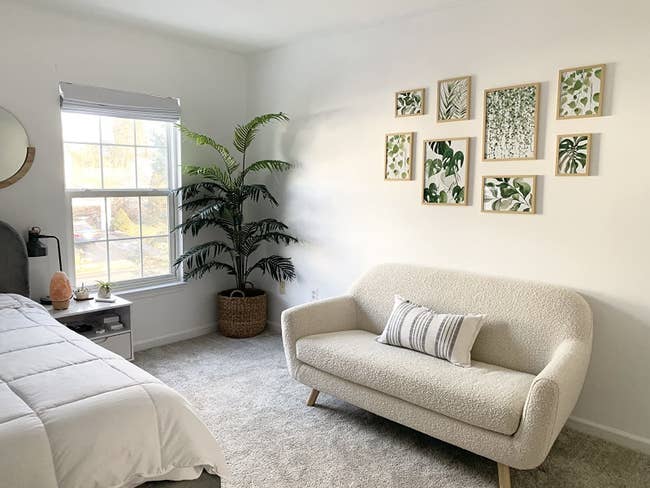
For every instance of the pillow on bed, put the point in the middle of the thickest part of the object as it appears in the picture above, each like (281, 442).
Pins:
(442, 335)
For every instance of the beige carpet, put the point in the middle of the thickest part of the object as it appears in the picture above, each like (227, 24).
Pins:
(272, 440)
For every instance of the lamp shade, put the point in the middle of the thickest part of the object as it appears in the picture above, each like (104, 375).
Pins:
(60, 291)
(35, 247)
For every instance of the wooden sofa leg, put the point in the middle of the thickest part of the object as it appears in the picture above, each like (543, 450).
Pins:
(504, 475)
(312, 397)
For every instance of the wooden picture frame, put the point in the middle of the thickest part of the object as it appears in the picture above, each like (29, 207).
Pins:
(468, 107)
(601, 93)
(533, 193)
(573, 149)
(407, 154)
(465, 174)
(422, 111)
(535, 121)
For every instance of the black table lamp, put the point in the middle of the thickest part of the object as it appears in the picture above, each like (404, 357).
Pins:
(36, 248)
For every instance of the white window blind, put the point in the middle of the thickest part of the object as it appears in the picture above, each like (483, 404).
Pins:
(116, 103)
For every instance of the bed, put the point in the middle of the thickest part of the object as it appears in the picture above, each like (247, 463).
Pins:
(75, 415)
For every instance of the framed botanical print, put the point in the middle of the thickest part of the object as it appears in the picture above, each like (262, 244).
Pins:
(580, 92)
(510, 122)
(446, 171)
(454, 99)
(509, 194)
(573, 155)
(409, 102)
(398, 156)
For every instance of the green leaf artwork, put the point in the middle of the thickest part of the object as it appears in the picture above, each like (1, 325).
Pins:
(511, 123)
(573, 154)
(399, 154)
(580, 92)
(409, 102)
(454, 99)
(509, 194)
(445, 171)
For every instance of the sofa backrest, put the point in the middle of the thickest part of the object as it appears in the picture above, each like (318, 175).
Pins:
(525, 321)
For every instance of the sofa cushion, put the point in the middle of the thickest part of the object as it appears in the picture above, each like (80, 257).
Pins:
(442, 335)
(483, 395)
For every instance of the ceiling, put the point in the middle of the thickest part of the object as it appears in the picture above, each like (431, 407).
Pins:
(245, 25)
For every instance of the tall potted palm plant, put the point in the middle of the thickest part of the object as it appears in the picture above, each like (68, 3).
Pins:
(217, 201)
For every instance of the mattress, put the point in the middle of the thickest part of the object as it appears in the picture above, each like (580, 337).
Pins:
(73, 414)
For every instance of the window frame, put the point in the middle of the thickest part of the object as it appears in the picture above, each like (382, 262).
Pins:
(174, 213)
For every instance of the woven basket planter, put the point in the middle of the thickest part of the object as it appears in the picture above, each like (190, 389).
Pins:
(241, 315)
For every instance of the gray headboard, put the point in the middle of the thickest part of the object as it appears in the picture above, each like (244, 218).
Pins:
(14, 268)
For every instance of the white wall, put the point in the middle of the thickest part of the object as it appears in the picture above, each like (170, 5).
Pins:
(591, 234)
(39, 49)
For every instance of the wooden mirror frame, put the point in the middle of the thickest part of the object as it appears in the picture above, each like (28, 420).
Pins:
(22, 171)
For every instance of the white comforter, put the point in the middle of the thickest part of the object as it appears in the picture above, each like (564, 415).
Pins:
(74, 415)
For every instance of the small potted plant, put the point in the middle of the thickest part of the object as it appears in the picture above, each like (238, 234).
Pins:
(104, 290)
(82, 293)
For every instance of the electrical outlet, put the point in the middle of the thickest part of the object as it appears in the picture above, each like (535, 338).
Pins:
(314, 294)
(283, 287)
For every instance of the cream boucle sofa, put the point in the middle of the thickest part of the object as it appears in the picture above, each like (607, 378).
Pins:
(528, 363)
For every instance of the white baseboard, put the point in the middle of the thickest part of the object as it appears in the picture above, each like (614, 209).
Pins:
(173, 337)
(617, 436)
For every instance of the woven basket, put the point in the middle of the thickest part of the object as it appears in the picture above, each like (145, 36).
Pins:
(241, 316)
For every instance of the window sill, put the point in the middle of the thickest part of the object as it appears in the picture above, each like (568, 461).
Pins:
(153, 290)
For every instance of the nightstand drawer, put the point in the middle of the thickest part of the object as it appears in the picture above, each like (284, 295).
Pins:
(119, 344)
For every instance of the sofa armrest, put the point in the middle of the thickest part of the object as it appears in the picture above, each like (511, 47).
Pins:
(566, 371)
(552, 397)
(328, 315)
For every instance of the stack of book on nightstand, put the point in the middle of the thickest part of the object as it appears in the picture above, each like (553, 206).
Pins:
(109, 323)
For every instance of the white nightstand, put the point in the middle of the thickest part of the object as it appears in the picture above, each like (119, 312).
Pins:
(91, 312)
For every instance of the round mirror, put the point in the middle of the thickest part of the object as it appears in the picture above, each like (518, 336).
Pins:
(16, 155)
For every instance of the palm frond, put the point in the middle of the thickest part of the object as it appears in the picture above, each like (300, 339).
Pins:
(202, 202)
(195, 224)
(199, 255)
(199, 189)
(212, 173)
(210, 211)
(245, 134)
(206, 268)
(453, 100)
(266, 164)
(257, 191)
(280, 269)
(279, 238)
(203, 140)
(251, 242)
(264, 226)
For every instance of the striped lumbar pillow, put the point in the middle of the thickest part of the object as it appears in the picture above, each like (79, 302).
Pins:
(443, 335)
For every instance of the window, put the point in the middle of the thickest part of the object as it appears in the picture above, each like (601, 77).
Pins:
(119, 176)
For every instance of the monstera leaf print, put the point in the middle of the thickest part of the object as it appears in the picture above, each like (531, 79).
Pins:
(573, 154)
(453, 99)
(399, 152)
(509, 194)
(445, 171)
(409, 102)
(580, 92)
